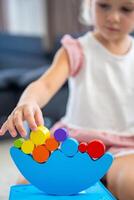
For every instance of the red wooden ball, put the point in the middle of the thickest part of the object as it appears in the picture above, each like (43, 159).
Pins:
(96, 149)
(82, 147)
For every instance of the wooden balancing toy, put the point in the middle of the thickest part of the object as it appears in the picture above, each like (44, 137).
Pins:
(59, 167)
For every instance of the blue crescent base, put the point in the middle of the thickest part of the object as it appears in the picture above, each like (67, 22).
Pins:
(62, 175)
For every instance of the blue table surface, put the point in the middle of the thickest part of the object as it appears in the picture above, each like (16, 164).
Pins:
(29, 192)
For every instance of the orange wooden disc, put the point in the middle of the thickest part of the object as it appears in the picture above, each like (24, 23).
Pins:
(52, 144)
(41, 154)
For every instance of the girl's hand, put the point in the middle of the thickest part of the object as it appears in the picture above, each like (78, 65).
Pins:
(30, 112)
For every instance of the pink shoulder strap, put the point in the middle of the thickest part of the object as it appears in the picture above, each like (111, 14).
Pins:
(75, 54)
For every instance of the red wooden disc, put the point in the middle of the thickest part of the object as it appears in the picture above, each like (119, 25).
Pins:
(96, 149)
(82, 147)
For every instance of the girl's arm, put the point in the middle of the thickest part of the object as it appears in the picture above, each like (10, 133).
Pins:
(43, 89)
(37, 95)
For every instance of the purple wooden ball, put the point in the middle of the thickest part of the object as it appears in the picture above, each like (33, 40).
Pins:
(61, 134)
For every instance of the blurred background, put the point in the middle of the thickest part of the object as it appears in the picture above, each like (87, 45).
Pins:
(30, 33)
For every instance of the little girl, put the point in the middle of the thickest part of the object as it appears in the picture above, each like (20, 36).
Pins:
(100, 68)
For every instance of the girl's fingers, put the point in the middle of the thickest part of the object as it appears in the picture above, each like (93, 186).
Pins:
(29, 117)
(18, 122)
(15, 123)
(3, 129)
(11, 127)
(8, 126)
(39, 117)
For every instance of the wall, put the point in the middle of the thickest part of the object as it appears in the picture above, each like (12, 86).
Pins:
(27, 17)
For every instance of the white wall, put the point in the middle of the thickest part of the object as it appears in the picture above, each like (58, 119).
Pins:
(27, 17)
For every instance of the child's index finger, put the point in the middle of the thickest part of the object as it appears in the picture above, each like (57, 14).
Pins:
(32, 124)
(3, 129)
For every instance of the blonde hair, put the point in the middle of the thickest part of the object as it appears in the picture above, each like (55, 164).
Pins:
(85, 13)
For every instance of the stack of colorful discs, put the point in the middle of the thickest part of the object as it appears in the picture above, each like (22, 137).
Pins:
(41, 145)
(36, 144)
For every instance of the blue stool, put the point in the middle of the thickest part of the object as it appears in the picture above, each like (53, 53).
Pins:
(29, 192)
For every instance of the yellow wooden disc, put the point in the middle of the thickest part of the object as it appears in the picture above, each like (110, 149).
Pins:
(27, 147)
(39, 136)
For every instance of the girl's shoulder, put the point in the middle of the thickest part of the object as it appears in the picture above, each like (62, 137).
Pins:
(75, 47)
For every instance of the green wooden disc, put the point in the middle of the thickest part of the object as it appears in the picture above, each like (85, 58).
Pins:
(18, 143)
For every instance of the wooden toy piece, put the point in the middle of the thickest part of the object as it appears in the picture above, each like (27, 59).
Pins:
(52, 144)
(82, 147)
(69, 147)
(41, 154)
(27, 147)
(39, 136)
(43, 128)
(61, 134)
(96, 149)
(18, 143)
